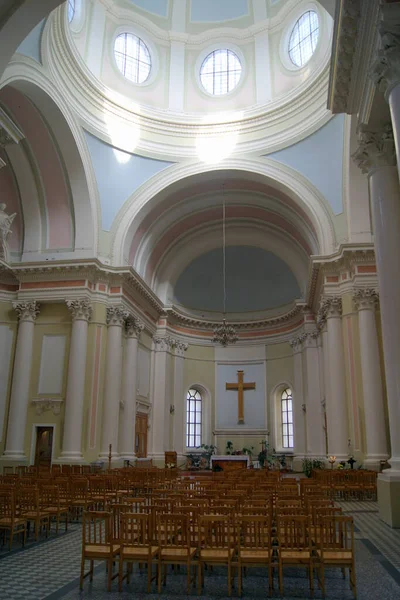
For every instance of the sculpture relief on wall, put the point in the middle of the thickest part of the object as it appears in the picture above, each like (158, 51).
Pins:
(5, 231)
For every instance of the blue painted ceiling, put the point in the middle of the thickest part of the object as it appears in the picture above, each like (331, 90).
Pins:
(255, 279)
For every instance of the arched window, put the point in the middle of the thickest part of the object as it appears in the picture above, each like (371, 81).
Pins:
(132, 57)
(71, 10)
(220, 72)
(287, 418)
(304, 38)
(193, 418)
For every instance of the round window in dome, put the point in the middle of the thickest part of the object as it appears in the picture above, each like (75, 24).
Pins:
(132, 57)
(220, 72)
(71, 10)
(304, 38)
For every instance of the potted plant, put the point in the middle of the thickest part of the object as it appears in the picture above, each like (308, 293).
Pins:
(229, 447)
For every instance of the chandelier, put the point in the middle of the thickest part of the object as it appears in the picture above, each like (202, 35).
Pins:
(224, 334)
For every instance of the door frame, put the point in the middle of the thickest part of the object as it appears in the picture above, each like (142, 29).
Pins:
(35, 427)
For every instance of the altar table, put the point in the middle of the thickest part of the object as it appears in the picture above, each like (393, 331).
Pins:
(228, 461)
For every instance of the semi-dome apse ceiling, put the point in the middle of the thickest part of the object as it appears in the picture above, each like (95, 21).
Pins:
(255, 280)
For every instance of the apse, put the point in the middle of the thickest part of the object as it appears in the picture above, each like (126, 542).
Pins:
(256, 279)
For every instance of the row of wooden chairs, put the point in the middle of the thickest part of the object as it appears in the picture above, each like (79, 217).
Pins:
(217, 540)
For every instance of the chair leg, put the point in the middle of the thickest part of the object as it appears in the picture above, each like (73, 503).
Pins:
(239, 581)
(82, 572)
(159, 575)
(199, 579)
(280, 576)
(121, 573)
(311, 574)
(110, 569)
(229, 579)
(149, 573)
(188, 576)
(91, 570)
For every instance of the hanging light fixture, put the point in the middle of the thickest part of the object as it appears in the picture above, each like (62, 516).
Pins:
(224, 334)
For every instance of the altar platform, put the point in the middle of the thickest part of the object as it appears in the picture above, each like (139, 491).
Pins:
(230, 461)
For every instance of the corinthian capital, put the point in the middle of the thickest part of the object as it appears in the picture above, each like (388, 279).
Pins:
(27, 311)
(296, 343)
(116, 315)
(81, 309)
(180, 348)
(133, 326)
(164, 343)
(385, 71)
(332, 307)
(365, 299)
(376, 149)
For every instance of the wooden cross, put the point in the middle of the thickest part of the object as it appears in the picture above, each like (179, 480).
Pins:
(240, 387)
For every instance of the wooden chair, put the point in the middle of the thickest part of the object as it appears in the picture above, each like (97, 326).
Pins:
(136, 545)
(254, 546)
(177, 545)
(336, 548)
(50, 501)
(294, 546)
(9, 521)
(97, 544)
(79, 496)
(8, 470)
(31, 510)
(216, 545)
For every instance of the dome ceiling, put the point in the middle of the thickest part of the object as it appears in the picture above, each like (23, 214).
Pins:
(255, 280)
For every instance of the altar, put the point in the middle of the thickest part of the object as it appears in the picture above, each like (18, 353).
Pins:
(230, 461)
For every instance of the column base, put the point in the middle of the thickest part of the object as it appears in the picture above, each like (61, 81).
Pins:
(158, 459)
(128, 456)
(389, 497)
(70, 457)
(14, 456)
(373, 463)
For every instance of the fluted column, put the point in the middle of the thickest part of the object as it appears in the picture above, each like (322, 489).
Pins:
(72, 438)
(27, 313)
(336, 406)
(376, 156)
(129, 389)
(299, 449)
(365, 301)
(116, 316)
(314, 418)
(178, 435)
(162, 395)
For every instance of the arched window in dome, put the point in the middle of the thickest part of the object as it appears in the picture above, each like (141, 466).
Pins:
(132, 57)
(194, 411)
(287, 418)
(304, 38)
(71, 9)
(220, 72)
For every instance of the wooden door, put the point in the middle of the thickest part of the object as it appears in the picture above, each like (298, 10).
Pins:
(141, 435)
(44, 446)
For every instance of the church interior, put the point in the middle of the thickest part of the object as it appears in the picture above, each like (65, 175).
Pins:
(199, 298)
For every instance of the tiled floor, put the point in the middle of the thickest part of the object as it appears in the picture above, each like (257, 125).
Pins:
(49, 570)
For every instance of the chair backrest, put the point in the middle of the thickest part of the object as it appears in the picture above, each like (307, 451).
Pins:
(50, 496)
(96, 528)
(172, 530)
(7, 505)
(292, 532)
(254, 531)
(136, 529)
(216, 531)
(337, 532)
(28, 499)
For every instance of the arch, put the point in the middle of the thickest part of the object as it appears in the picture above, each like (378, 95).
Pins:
(276, 415)
(29, 80)
(286, 181)
(206, 433)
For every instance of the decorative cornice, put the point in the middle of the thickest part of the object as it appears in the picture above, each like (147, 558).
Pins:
(376, 149)
(44, 404)
(27, 311)
(385, 70)
(9, 132)
(116, 316)
(365, 299)
(81, 309)
(133, 326)
(345, 38)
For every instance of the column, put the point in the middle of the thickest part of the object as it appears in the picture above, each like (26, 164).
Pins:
(299, 450)
(385, 70)
(116, 316)
(81, 311)
(376, 156)
(374, 412)
(178, 435)
(336, 405)
(129, 389)
(314, 419)
(162, 395)
(27, 313)
(94, 47)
